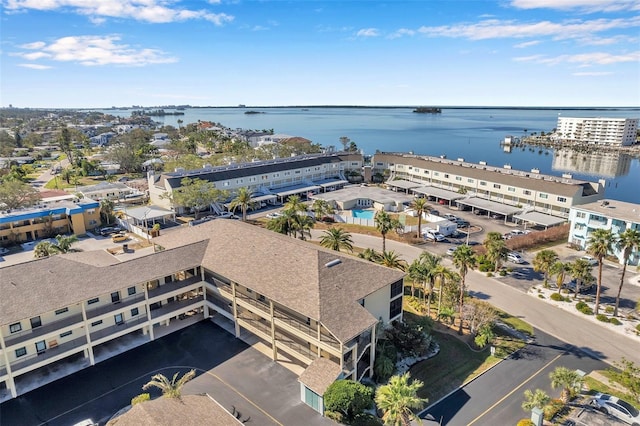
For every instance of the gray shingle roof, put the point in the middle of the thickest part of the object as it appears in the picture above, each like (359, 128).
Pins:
(320, 374)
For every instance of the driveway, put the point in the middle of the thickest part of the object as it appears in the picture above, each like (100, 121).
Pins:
(236, 375)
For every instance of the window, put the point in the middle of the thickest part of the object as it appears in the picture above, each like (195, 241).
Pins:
(131, 291)
(395, 308)
(312, 399)
(526, 192)
(436, 173)
(36, 322)
(446, 175)
(135, 312)
(119, 319)
(41, 346)
(543, 196)
(92, 301)
(361, 301)
(496, 186)
(66, 333)
(469, 180)
(14, 328)
(458, 177)
(62, 311)
(396, 289)
(93, 324)
(562, 199)
(262, 298)
(21, 352)
(511, 189)
(581, 215)
(483, 183)
(115, 297)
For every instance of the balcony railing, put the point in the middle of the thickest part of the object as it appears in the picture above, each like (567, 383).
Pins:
(44, 329)
(27, 361)
(172, 286)
(281, 338)
(175, 306)
(222, 304)
(115, 307)
(97, 335)
(308, 330)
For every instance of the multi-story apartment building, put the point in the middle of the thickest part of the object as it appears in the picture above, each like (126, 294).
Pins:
(606, 214)
(49, 218)
(317, 307)
(273, 180)
(598, 130)
(465, 182)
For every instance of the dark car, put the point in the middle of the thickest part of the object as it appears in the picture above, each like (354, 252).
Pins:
(461, 223)
(110, 230)
(584, 287)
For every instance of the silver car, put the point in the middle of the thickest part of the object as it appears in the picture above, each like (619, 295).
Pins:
(617, 408)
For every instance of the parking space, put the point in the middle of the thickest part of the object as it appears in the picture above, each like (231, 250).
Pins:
(585, 415)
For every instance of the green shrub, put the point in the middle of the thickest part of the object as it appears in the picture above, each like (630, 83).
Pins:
(614, 321)
(366, 419)
(489, 274)
(638, 328)
(335, 416)
(348, 397)
(557, 297)
(602, 317)
(140, 398)
(587, 310)
(526, 422)
(609, 309)
(503, 273)
(541, 296)
(552, 409)
(581, 305)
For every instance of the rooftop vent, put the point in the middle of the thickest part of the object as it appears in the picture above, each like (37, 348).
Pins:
(333, 263)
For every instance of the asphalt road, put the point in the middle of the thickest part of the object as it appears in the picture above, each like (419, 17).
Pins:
(495, 397)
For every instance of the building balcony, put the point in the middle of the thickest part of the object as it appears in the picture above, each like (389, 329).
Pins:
(296, 326)
(172, 286)
(48, 328)
(176, 306)
(117, 329)
(598, 224)
(115, 307)
(249, 303)
(220, 303)
(51, 354)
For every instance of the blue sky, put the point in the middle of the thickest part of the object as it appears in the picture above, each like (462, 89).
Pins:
(99, 53)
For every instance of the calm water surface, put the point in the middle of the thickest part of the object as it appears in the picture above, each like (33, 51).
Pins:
(473, 134)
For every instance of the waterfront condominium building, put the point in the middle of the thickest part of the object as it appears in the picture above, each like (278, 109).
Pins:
(605, 214)
(270, 181)
(480, 186)
(316, 307)
(598, 130)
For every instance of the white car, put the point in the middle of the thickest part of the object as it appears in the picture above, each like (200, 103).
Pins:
(515, 257)
(434, 236)
(451, 251)
(592, 260)
(227, 215)
(3, 251)
(617, 408)
(273, 215)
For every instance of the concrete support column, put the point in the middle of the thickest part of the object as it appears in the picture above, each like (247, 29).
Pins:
(274, 349)
(148, 308)
(11, 384)
(372, 350)
(87, 333)
(235, 309)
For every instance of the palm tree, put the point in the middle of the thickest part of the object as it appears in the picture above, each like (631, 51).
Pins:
(397, 399)
(580, 271)
(385, 223)
(281, 224)
(391, 259)
(294, 204)
(543, 262)
(63, 243)
(599, 245)
(496, 249)
(627, 242)
(560, 269)
(321, 208)
(303, 224)
(464, 258)
(443, 274)
(44, 249)
(431, 266)
(242, 200)
(170, 389)
(420, 206)
(336, 239)
(369, 254)
(569, 380)
(417, 274)
(538, 399)
(106, 210)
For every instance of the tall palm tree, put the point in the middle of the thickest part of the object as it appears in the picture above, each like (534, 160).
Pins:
(628, 241)
(64, 242)
(496, 249)
(106, 210)
(281, 224)
(569, 380)
(464, 258)
(599, 245)
(543, 262)
(391, 259)
(385, 223)
(169, 388)
(243, 200)
(560, 269)
(580, 271)
(431, 264)
(336, 239)
(321, 208)
(398, 399)
(443, 275)
(303, 224)
(420, 206)
(294, 204)
(538, 399)
(417, 274)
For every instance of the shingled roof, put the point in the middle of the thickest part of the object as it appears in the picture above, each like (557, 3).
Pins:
(318, 283)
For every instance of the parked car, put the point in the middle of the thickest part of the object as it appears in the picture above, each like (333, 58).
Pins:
(118, 238)
(109, 230)
(592, 260)
(450, 217)
(461, 223)
(515, 257)
(227, 215)
(478, 212)
(434, 236)
(434, 212)
(273, 215)
(584, 287)
(451, 250)
(3, 251)
(616, 407)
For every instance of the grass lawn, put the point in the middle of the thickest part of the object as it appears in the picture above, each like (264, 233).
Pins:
(596, 386)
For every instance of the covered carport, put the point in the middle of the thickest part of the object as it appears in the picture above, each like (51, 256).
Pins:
(328, 185)
(285, 193)
(438, 193)
(491, 207)
(403, 184)
(539, 219)
(148, 215)
(264, 199)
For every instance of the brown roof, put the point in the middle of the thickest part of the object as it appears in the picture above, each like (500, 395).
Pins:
(522, 179)
(291, 272)
(190, 410)
(43, 285)
(319, 375)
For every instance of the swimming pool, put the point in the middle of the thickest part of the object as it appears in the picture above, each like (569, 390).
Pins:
(363, 214)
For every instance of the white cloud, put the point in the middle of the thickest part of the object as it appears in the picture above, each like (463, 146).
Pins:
(94, 51)
(259, 28)
(368, 32)
(402, 32)
(592, 74)
(35, 66)
(154, 11)
(588, 6)
(583, 59)
(526, 44)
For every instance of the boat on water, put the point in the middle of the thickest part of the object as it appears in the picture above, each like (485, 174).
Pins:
(254, 112)
(428, 110)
